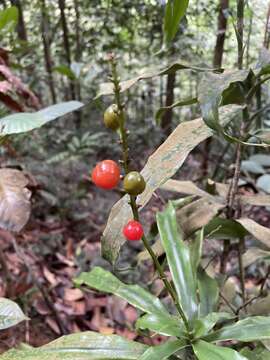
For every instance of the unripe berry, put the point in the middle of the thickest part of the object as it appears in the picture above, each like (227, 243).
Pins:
(111, 117)
(134, 183)
(106, 174)
(133, 230)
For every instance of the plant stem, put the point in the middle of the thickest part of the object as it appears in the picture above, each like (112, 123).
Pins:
(234, 184)
(124, 142)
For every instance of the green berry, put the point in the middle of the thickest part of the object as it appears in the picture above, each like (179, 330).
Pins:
(111, 117)
(134, 183)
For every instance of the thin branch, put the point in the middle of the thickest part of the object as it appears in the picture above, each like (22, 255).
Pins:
(123, 135)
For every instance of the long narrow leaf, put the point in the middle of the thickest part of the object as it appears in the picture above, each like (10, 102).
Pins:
(163, 351)
(24, 122)
(208, 292)
(206, 351)
(250, 329)
(103, 280)
(10, 314)
(179, 103)
(160, 325)
(204, 325)
(179, 261)
(82, 346)
(174, 12)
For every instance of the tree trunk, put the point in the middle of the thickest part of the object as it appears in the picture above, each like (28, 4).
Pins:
(217, 62)
(222, 26)
(267, 30)
(21, 29)
(78, 53)
(166, 120)
(78, 57)
(47, 48)
(62, 6)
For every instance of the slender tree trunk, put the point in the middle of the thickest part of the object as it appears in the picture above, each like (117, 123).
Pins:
(47, 48)
(62, 7)
(222, 26)
(78, 53)
(266, 45)
(217, 62)
(248, 40)
(267, 30)
(166, 120)
(21, 29)
(78, 57)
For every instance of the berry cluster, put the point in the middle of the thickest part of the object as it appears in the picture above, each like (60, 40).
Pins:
(107, 175)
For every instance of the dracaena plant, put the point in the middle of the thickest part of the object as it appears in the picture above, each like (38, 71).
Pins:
(194, 324)
(200, 322)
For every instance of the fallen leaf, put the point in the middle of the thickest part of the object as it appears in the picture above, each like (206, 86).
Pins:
(73, 294)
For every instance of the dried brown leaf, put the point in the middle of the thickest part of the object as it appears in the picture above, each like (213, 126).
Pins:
(14, 200)
(260, 232)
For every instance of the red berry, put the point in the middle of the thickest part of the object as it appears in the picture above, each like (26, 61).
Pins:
(106, 174)
(133, 230)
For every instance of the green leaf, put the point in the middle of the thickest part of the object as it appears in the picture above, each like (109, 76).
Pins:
(219, 228)
(108, 88)
(82, 346)
(179, 260)
(160, 167)
(259, 353)
(66, 71)
(195, 249)
(162, 325)
(9, 18)
(249, 329)
(163, 351)
(24, 122)
(205, 351)
(104, 281)
(174, 12)
(208, 293)
(204, 325)
(10, 314)
(163, 110)
(211, 91)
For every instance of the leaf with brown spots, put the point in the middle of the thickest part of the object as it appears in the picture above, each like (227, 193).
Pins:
(160, 167)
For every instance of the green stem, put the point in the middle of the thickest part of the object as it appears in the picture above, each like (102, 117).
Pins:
(132, 201)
